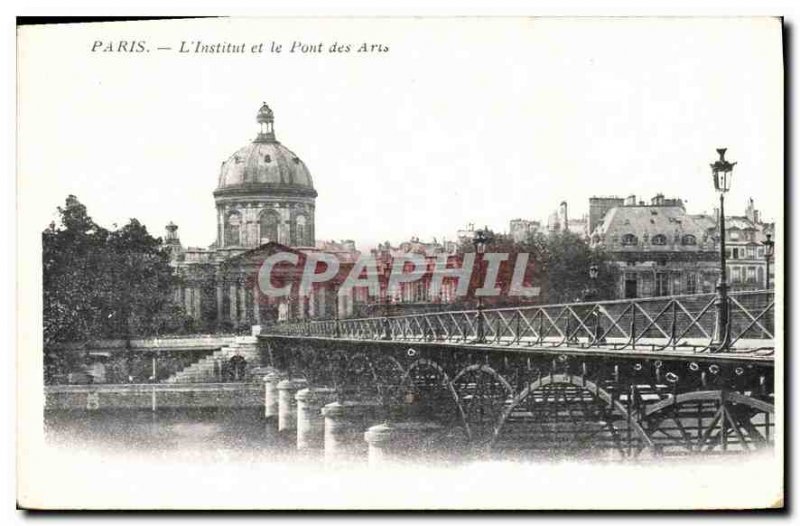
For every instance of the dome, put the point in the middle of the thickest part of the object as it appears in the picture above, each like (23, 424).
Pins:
(266, 163)
(265, 166)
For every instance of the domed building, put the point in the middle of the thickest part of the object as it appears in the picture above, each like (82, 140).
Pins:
(265, 200)
(265, 194)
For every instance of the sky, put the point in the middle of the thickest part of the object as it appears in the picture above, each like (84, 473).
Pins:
(462, 120)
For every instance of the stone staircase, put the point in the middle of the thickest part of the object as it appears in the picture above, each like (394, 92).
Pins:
(209, 368)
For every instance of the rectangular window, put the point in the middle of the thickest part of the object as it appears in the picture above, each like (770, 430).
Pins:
(735, 253)
(662, 284)
(630, 285)
(691, 283)
(646, 285)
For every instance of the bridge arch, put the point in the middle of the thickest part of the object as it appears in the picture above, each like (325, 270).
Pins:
(485, 369)
(446, 383)
(483, 394)
(706, 420)
(599, 394)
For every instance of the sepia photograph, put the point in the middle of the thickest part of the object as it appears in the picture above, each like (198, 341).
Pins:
(442, 263)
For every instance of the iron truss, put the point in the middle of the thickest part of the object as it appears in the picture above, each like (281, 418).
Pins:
(621, 378)
(526, 402)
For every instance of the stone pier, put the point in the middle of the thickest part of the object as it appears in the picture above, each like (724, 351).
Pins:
(271, 381)
(287, 404)
(345, 424)
(310, 422)
(400, 441)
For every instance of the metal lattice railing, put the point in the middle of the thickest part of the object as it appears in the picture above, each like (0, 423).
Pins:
(664, 323)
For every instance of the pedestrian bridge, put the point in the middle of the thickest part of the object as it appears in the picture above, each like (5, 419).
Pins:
(626, 376)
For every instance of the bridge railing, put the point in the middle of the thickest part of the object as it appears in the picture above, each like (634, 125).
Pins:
(670, 322)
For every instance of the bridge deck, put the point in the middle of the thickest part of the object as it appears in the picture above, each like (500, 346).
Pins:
(642, 351)
(662, 327)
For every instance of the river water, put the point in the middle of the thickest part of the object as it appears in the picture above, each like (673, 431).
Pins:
(235, 458)
(208, 432)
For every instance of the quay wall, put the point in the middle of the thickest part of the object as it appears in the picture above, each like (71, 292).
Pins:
(153, 396)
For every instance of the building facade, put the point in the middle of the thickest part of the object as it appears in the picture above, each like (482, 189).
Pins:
(560, 221)
(746, 263)
(659, 249)
(523, 229)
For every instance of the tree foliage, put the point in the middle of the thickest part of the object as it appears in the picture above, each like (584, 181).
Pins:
(101, 283)
(559, 264)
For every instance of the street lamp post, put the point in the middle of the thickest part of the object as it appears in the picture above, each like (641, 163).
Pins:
(722, 173)
(386, 267)
(593, 294)
(481, 240)
(769, 251)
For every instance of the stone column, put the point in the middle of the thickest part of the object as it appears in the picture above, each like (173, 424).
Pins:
(271, 381)
(233, 294)
(322, 300)
(310, 423)
(243, 304)
(345, 424)
(197, 300)
(341, 310)
(188, 302)
(221, 226)
(401, 441)
(312, 304)
(220, 302)
(287, 404)
(256, 305)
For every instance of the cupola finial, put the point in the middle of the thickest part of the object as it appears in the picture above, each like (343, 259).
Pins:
(265, 119)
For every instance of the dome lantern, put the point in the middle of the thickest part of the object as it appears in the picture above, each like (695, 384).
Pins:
(265, 119)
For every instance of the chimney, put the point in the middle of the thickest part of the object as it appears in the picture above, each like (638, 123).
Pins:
(562, 216)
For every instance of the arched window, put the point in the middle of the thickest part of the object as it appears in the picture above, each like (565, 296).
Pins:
(689, 239)
(300, 231)
(233, 229)
(629, 239)
(659, 239)
(268, 226)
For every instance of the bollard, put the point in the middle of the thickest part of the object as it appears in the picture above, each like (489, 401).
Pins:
(400, 441)
(287, 405)
(345, 423)
(310, 423)
(271, 381)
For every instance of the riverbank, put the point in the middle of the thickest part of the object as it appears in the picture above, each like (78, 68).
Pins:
(153, 396)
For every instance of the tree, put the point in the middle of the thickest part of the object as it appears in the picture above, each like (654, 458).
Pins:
(564, 265)
(101, 283)
(558, 263)
(71, 262)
